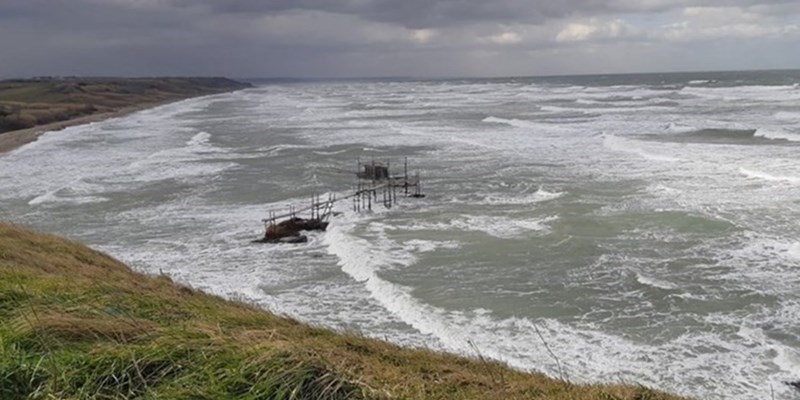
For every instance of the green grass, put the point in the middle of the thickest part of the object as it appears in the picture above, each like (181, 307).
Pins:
(76, 324)
(23, 92)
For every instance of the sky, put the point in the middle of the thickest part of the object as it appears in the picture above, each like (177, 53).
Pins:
(399, 38)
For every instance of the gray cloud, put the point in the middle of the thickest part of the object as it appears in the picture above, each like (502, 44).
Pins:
(387, 37)
(419, 14)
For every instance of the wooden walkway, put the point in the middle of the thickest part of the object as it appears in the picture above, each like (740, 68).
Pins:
(371, 179)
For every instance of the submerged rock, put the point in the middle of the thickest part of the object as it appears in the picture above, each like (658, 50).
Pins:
(294, 239)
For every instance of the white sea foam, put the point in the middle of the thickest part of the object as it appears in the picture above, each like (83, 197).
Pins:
(748, 93)
(582, 352)
(361, 262)
(674, 127)
(556, 109)
(52, 197)
(777, 134)
(616, 143)
(518, 123)
(661, 189)
(764, 264)
(277, 149)
(788, 360)
(498, 226)
(425, 246)
(331, 153)
(539, 196)
(787, 115)
(768, 177)
(200, 139)
(655, 282)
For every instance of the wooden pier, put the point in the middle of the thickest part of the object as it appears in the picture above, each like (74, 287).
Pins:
(371, 179)
(375, 177)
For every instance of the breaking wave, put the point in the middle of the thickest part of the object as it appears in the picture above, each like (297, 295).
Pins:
(619, 144)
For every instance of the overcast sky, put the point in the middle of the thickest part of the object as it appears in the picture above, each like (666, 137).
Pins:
(418, 38)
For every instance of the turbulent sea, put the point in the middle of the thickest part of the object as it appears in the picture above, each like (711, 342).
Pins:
(645, 227)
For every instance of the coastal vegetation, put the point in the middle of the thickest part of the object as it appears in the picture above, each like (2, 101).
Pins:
(29, 103)
(77, 324)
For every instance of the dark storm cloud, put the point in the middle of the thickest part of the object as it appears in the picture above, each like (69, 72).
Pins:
(444, 13)
(362, 37)
(409, 13)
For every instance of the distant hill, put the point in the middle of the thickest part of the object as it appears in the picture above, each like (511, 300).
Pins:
(34, 102)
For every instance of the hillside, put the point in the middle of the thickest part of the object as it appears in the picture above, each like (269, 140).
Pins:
(35, 102)
(77, 324)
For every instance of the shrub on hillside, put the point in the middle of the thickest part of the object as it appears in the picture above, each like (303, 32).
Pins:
(20, 120)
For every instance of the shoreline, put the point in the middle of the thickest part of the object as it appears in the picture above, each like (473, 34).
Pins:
(30, 104)
(13, 140)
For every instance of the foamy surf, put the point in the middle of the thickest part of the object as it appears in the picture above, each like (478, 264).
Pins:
(787, 115)
(674, 127)
(500, 227)
(527, 344)
(768, 177)
(655, 282)
(200, 139)
(455, 331)
(539, 196)
(619, 144)
(358, 260)
(777, 135)
(517, 123)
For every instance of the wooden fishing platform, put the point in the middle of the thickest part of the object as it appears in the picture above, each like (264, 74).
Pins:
(371, 179)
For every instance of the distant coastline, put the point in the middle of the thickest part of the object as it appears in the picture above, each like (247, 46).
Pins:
(31, 107)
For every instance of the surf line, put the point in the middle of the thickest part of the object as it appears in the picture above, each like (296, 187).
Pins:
(371, 178)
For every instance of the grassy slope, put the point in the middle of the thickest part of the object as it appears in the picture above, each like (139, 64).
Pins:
(76, 324)
(28, 103)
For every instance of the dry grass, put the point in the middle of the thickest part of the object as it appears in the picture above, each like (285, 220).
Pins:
(75, 323)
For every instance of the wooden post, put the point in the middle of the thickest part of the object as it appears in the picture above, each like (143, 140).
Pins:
(405, 175)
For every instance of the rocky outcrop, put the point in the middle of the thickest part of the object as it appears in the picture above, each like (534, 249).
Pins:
(289, 231)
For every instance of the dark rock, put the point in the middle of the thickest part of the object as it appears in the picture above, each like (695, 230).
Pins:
(289, 231)
(292, 227)
(294, 239)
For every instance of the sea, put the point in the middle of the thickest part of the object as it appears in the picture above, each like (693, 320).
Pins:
(640, 229)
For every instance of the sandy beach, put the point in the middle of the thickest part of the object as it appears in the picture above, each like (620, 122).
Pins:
(15, 139)
(42, 101)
